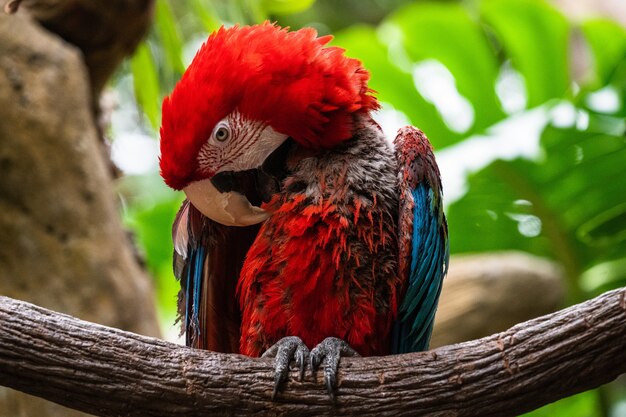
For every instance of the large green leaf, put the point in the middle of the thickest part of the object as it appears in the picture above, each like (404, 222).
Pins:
(394, 85)
(490, 216)
(536, 37)
(607, 40)
(447, 33)
(576, 190)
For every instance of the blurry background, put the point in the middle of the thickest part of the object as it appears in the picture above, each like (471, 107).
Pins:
(524, 102)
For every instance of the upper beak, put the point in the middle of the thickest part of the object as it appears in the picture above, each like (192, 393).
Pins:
(228, 208)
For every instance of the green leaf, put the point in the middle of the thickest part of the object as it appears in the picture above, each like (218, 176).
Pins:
(146, 83)
(536, 37)
(169, 37)
(604, 277)
(447, 33)
(392, 84)
(151, 214)
(284, 7)
(607, 40)
(484, 220)
(580, 405)
(576, 191)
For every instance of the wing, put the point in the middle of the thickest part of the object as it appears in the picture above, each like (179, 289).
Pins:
(208, 258)
(423, 234)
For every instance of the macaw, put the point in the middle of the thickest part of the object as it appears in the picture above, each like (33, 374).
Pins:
(302, 228)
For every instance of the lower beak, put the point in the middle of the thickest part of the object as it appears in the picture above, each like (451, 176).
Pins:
(228, 208)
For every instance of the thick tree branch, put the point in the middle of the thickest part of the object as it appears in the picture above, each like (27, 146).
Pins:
(109, 372)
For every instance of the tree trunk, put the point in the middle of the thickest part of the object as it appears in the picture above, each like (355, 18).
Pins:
(62, 244)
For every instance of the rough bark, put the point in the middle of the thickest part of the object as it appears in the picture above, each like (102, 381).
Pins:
(488, 293)
(106, 31)
(62, 244)
(108, 372)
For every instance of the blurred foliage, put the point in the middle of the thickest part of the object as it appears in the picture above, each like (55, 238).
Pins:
(581, 405)
(146, 83)
(149, 210)
(567, 203)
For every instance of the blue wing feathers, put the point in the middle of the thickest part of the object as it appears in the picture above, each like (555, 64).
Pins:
(207, 256)
(429, 253)
(193, 293)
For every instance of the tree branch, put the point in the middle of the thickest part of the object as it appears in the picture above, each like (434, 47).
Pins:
(108, 372)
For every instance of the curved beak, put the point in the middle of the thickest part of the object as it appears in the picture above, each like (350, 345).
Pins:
(228, 208)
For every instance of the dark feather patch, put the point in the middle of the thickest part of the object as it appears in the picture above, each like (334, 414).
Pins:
(208, 277)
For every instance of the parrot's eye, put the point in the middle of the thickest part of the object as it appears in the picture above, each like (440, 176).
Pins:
(221, 133)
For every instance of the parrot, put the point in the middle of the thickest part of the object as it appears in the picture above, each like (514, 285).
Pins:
(305, 235)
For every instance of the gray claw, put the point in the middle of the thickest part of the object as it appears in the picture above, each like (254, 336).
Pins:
(302, 354)
(331, 349)
(285, 350)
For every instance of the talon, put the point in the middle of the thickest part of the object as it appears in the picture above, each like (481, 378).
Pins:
(330, 349)
(330, 388)
(285, 350)
(315, 358)
(301, 355)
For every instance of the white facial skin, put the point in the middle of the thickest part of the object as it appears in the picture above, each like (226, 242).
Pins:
(236, 144)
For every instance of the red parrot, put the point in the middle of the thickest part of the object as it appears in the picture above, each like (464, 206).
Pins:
(303, 227)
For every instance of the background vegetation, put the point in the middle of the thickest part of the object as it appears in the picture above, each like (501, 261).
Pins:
(525, 108)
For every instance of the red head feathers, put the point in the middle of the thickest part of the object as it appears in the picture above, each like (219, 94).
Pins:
(290, 80)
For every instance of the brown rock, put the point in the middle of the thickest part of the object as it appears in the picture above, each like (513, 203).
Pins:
(488, 293)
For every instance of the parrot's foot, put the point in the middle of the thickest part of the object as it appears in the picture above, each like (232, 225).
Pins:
(330, 349)
(285, 350)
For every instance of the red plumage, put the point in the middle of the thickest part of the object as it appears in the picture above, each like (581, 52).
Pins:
(303, 276)
(291, 80)
(333, 258)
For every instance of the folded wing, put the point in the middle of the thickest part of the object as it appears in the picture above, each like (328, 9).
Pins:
(208, 258)
(423, 234)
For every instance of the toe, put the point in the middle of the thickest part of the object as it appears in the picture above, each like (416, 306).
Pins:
(284, 351)
(330, 350)
(301, 355)
(330, 374)
(315, 358)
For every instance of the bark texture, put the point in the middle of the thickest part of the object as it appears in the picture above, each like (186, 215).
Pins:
(106, 31)
(488, 293)
(62, 244)
(108, 372)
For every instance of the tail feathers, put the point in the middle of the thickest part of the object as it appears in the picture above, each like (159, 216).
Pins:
(193, 296)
